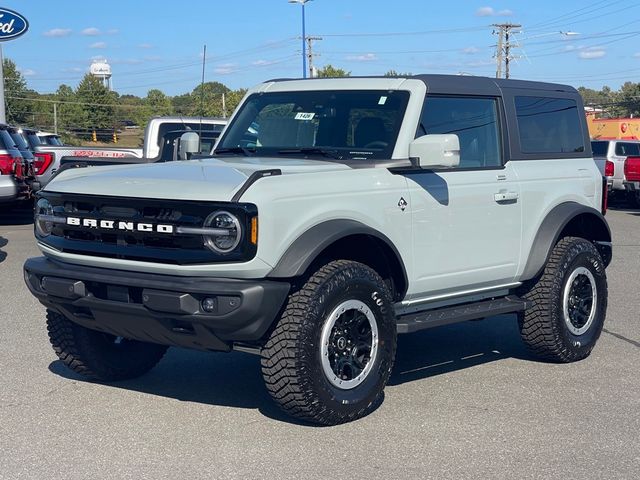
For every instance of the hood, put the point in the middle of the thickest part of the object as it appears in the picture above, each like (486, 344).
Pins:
(205, 179)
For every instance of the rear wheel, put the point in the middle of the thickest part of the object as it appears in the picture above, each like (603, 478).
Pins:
(569, 303)
(331, 353)
(98, 355)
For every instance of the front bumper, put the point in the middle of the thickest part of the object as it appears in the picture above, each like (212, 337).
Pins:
(158, 308)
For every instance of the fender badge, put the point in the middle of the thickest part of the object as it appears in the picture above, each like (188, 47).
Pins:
(402, 203)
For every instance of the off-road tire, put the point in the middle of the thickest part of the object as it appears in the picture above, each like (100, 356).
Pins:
(542, 325)
(291, 358)
(97, 355)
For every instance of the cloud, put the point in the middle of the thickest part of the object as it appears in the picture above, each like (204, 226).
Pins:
(491, 12)
(57, 32)
(112, 31)
(27, 72)
(98, 45)
(367, 57)
(470, 50)
(91, 32)
(262, 63)
(153, 58)
(636, 55)
(145, 45)
(226, 68)
(592, 52)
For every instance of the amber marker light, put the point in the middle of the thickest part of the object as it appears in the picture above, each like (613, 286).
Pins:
(254, 230)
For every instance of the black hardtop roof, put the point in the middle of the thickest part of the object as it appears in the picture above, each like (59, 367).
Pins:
(437, 83)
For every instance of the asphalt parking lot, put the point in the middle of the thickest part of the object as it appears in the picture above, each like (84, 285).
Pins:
(465, 401)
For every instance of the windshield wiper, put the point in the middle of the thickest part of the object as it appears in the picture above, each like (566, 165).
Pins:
(247, 152)
(325, 152)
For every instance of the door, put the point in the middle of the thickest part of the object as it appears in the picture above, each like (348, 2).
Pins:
(466, 220)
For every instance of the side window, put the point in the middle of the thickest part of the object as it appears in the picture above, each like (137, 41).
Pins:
(473, 120)
(625, 149)
(549, 125)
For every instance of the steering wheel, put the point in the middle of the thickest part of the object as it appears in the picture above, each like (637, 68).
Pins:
(377, 144)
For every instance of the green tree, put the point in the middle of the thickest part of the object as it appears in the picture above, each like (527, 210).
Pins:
(393, 73)
(18, 110)
(206, 99)
(98, 110)
(628, 99)
(233, 99)
(70, 115)
(329, 71)
(183, 104)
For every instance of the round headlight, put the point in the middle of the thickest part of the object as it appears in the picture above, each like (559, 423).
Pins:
(43, 214)
(229, 234)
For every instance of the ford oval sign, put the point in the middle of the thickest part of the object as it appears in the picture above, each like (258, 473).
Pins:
(12, 24)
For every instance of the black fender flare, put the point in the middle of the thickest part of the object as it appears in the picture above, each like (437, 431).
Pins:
(551, 228)
(306, 248)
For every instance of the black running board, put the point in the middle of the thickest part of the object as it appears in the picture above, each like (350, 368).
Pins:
(460, 313)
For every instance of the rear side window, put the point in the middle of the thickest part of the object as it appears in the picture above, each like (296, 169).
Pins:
(549, 125)
(599, 148)
(473, 120)
(626, 149)
(6, 142)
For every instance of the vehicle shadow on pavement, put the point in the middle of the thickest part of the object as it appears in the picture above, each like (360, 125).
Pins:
(234, 379)
(3, 243)
(220, 379)
(16, 214)
(455, 347)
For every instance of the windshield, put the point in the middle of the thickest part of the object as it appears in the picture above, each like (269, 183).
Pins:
(342, 124)
(599, 148)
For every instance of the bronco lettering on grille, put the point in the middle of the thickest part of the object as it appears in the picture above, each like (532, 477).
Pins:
(123, 226)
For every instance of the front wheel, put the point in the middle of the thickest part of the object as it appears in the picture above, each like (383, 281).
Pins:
(569, 303)
(97, 355)
(330, 354)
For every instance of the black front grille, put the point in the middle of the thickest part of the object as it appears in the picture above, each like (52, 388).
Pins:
(144, 246)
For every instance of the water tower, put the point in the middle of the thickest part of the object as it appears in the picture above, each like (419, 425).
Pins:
(102, 71)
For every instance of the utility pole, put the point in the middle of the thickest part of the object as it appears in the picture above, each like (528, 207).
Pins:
(310, 53)
(3, 118)
(55, 118)
(224, 105)
(504, 46)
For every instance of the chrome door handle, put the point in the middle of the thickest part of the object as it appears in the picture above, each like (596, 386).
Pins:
(502, 197)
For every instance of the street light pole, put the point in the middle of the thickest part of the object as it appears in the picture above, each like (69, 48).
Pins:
(304, 37)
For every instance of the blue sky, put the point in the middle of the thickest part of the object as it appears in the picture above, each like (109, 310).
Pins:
(158, 44)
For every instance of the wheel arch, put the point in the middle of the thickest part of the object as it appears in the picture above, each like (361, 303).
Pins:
(347, 240)
(567, 219)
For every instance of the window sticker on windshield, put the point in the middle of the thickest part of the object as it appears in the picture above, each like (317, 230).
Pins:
(382, 100)
(304, 116)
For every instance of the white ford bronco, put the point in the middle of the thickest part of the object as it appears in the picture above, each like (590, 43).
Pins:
(334, 214)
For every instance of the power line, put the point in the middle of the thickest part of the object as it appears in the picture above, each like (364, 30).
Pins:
(404, 34)
(569, 17)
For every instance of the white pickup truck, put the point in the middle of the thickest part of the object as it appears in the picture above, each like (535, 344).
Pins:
(160, 144)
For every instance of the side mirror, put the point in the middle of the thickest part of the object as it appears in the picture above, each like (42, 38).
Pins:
(189, 144)
(436, 151)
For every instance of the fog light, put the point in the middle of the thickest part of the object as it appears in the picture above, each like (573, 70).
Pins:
(209, 304)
